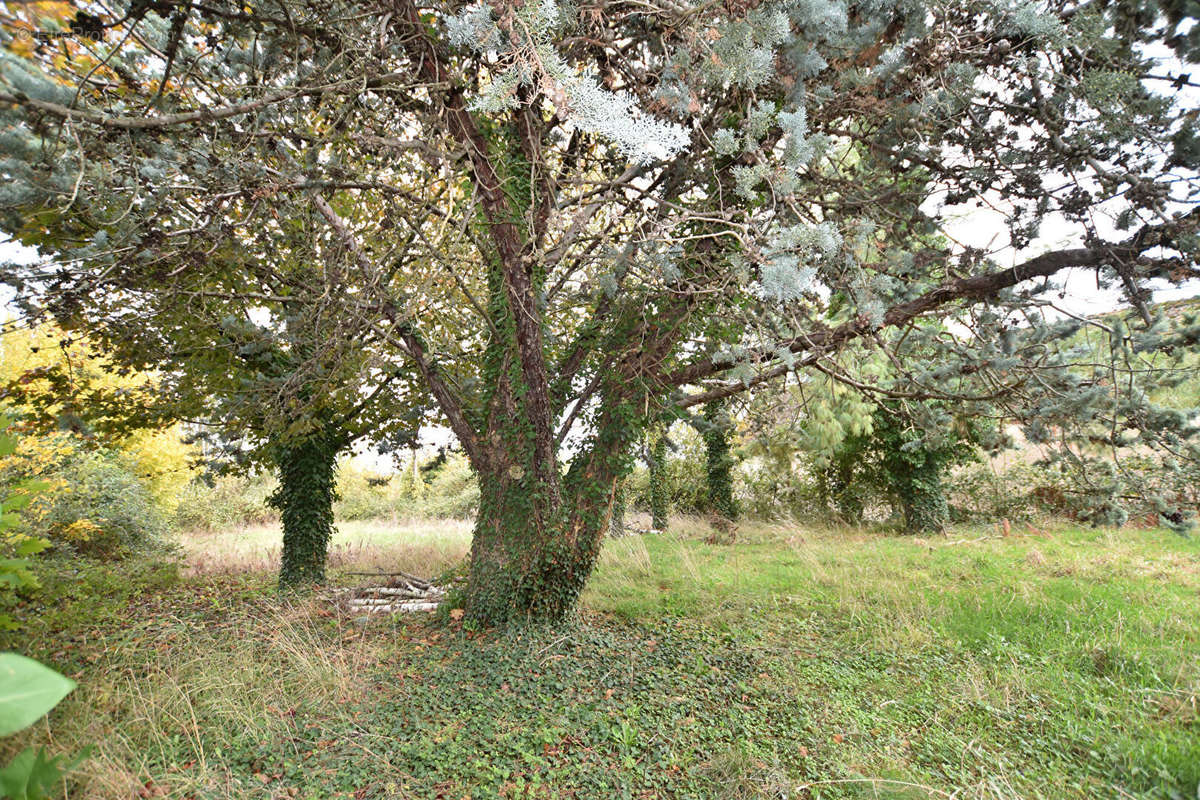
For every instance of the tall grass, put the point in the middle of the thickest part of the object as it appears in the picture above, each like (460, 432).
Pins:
(422, 547)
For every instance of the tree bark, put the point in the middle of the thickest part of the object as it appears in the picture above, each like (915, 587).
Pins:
(533, 550)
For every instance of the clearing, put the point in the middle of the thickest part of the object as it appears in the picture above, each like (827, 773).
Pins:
(796, 663)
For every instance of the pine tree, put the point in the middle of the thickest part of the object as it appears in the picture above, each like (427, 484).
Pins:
(568, 222)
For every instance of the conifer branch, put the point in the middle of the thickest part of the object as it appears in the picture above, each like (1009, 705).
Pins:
(135, 123)
(974, 288)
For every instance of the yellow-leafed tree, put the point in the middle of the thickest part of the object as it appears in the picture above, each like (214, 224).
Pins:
(72, 409)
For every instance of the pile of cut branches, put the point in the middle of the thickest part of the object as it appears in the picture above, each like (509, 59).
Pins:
(400, 592)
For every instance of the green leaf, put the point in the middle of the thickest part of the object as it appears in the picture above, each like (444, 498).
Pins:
(31, 775)
(17, 502)
(35, 485)
(32, 546)
(28, 690)
(16, 777)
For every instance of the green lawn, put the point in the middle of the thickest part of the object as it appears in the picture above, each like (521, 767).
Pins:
(794, 663)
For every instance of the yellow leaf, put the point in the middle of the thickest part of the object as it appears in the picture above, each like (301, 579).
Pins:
(22, 46)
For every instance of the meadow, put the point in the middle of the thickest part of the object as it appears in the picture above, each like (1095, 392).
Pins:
(795, 663)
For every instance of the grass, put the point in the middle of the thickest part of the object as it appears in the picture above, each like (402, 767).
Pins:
(423, 547)
(796, 663)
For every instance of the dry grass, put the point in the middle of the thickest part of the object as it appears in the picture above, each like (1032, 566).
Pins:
(423, 547)
(147, 711)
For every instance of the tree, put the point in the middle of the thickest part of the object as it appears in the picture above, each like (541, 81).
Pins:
(52, 382)
(280, 378)
(719, 462)
(905, 454)
(628, 207)
(656, 460)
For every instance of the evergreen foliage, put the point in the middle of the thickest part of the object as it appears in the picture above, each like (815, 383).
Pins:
(559, 223)
(914, 461)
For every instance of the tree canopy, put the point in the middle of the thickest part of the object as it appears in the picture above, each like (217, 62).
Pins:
(565, 219)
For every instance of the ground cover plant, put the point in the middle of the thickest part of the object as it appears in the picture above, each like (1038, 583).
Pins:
(798, 662)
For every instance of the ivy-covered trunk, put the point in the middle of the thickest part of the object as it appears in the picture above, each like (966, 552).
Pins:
(535, 546)
(307, 489)
(720, 463)
(616, 525)
(658, 478)
(923, 497)
(841, 481)
(530, 557)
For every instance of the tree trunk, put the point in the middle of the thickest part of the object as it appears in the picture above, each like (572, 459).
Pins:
(529, 561)
(923, 497)
(843, 486)
(658, 478)
(720, 461)
(307, 476)
(534, 549)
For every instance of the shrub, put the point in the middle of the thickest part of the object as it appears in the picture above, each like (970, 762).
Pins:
(162, 461)
(1021, 491)
(363, 494)
(447, 491)
(229, 501)
(93, 501)
(686, 475)
(453, 492)
(106, 512)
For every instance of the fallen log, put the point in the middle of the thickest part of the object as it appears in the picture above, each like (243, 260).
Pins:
(413, 579)
(410, 605)
(390, 591)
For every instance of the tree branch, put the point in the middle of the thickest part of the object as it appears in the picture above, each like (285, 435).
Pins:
(505, 235)
(978, 287)
(131, 123)
(450, 404)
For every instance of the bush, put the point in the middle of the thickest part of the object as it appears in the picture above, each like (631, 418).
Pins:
(93, 501)
(447, 491)
(782, 489)
(230, 501)
(686, 475)
(453, 492)
(367, 495)
(104, 512)
(980, 493)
